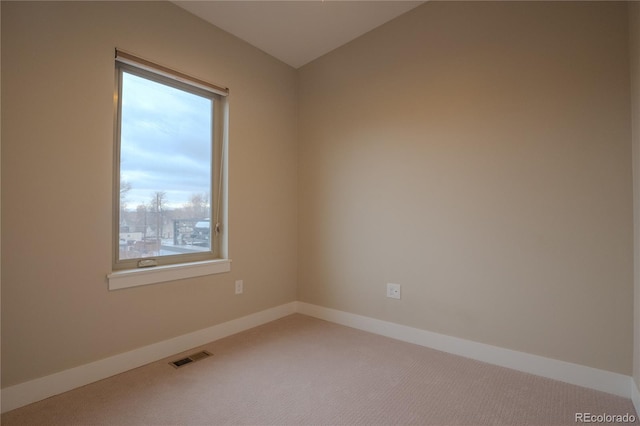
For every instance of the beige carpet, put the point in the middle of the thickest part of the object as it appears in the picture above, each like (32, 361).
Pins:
(300, 370)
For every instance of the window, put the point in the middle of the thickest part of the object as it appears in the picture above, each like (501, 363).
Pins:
(169, 169)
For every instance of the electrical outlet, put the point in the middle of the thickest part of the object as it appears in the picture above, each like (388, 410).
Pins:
(239, 287)
(393, 290)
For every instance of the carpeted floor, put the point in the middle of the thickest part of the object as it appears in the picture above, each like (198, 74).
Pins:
(301, 370)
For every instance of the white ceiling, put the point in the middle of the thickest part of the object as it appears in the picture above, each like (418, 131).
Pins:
(297, 32)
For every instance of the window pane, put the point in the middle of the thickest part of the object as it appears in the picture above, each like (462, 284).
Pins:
(165, 169)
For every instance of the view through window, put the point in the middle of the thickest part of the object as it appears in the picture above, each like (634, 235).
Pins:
(165, 170)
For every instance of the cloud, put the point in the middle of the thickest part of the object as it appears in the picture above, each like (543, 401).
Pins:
(165, 141)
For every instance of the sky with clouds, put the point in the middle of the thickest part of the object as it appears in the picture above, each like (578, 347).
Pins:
(165, 142)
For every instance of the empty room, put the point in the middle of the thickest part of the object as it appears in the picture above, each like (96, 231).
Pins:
(320, 212)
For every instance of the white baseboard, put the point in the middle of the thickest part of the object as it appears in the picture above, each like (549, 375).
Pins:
(605, 381)
(44, 387)
(635, 396)
(35, 390)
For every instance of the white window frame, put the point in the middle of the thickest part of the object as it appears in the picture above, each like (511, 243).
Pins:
(128, 273)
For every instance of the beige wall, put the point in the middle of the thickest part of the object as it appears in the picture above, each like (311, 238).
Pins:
(477, 154)
(634, 54)
(57, 152)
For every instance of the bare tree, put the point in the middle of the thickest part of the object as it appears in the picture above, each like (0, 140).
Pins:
(198, 206)
(141, 218)
(158, 206)
(125, 187)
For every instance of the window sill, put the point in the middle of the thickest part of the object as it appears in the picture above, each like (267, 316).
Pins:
(158, 274)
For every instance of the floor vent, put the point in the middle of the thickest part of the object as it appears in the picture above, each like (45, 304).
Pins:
(191, 358)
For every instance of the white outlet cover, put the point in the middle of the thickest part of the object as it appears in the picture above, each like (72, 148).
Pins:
(393, 290)
(239, 286)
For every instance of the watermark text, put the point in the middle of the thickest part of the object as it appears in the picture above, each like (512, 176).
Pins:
(604, 418)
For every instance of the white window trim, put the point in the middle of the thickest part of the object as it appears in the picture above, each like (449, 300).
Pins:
(127, 278)
(143, 276)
